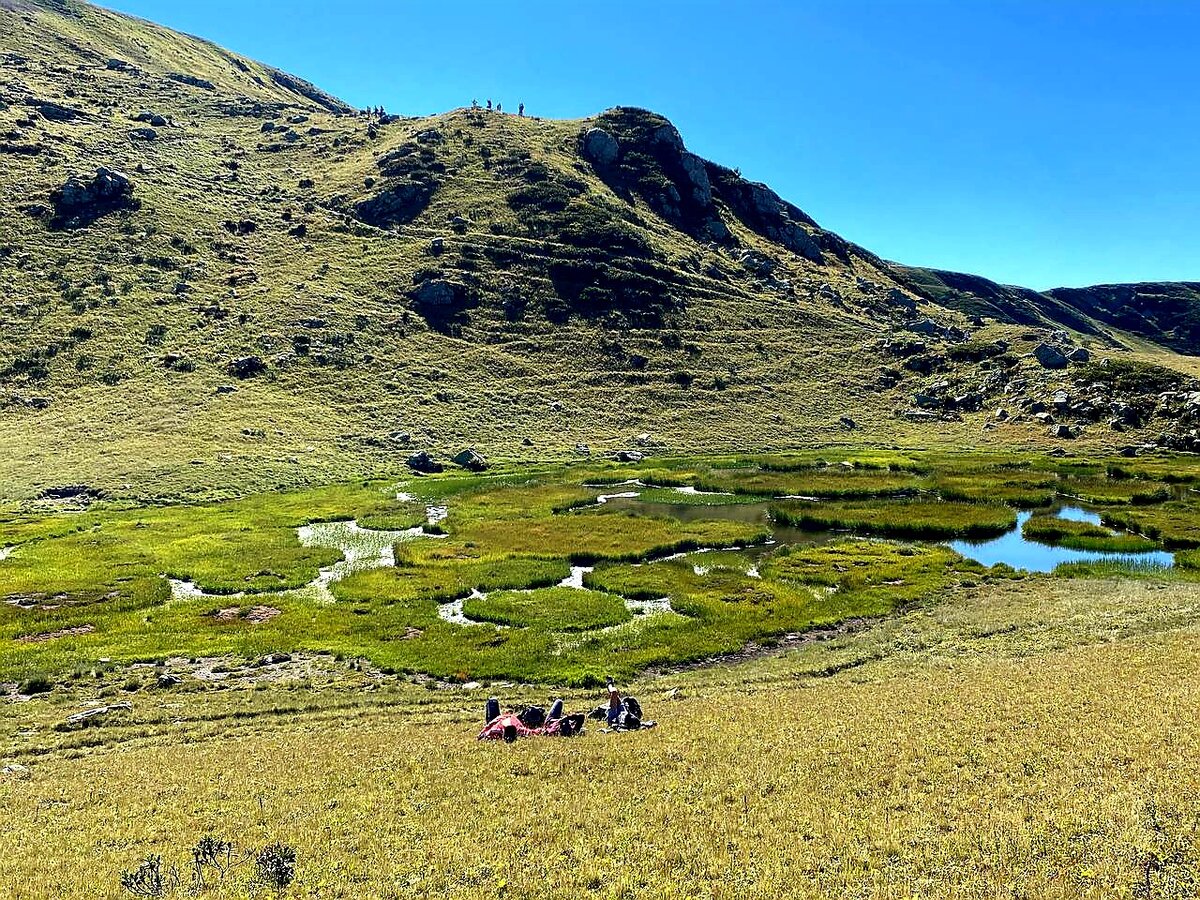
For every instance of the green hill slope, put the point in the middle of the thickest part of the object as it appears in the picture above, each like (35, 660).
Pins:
(274, 289)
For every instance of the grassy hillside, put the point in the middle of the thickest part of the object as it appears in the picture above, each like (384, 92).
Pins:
(473, 278)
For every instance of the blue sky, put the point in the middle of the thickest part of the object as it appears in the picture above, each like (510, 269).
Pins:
(1037, 142)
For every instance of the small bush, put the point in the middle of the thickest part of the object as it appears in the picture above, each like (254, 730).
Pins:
(275, 866)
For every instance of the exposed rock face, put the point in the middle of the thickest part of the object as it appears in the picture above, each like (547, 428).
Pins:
(762, 210)
(423, 461)
(80, 201)
(470, 459)
(600, 147)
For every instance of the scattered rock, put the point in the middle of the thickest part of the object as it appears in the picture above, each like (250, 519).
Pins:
(255, 615)
(15, 770)
(1063, 432)
(168, 680)
(83, 492)
(275, 659)
(470, 459)
(423, 461)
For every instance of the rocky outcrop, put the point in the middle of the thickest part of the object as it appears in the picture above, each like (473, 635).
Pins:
(81, 200)
(310, 91)
(399, 204)
(639, 152)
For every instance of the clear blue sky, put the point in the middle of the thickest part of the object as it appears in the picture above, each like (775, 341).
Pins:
(1040, 142)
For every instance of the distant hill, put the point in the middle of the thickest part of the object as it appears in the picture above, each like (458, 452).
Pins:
(215, 276)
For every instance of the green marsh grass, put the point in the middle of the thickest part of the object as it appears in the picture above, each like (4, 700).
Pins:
(1056, 531)
(549, 609)
(926, 519)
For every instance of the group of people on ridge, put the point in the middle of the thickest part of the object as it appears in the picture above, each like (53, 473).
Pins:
(619, 713)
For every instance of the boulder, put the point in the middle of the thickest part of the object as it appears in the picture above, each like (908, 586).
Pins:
(437, 292)
(97, 712)
(1050, 357)
(150, 118)
(1080, 355)
(848, 423)
(143, 134)
(629, 456)
(422, 461)
(1063, 432)
(169, 680)
(81, 200)
(247, 367)
(600, 147)
(470, 459)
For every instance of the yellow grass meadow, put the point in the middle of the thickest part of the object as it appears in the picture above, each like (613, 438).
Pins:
(1038, 739)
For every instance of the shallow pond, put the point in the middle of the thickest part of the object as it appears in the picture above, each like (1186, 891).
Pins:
(1011, 548)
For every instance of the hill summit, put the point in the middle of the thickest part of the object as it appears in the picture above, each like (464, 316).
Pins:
(216, 276)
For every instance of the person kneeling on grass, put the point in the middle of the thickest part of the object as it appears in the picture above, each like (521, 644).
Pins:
(531, 722)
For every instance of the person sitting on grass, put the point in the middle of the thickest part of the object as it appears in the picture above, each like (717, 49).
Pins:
(533, 721)
(621, 713)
